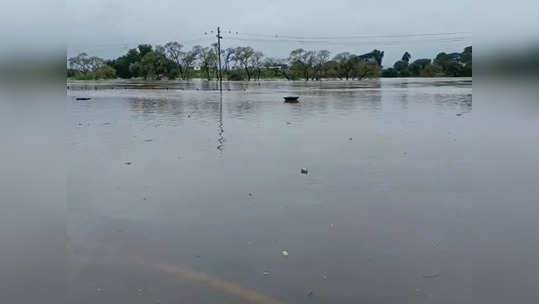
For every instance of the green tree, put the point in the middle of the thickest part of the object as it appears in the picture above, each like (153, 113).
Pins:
(417, 67)
(406, 57)
(122, 64)
(144, 49)
(152, 66)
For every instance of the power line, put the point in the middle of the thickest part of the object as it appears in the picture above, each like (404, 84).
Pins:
(326, 42)
(354, 36)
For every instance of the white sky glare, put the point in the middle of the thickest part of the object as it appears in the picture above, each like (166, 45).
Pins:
(107, 28)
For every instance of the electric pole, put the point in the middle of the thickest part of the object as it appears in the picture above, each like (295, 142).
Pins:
(219, 37)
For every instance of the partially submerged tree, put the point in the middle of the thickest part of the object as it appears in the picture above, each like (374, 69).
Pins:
(84, 63)
(207, 58)
(321, 59)
(243, 56)
(302, 61)
(152, 66)
(174, 52)
(85, 67)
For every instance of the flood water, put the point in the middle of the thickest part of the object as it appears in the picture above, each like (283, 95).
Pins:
(179, 194)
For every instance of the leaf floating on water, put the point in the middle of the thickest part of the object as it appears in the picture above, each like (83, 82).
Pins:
(284, 253)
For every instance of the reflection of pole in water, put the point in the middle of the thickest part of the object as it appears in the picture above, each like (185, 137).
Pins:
(221, 131)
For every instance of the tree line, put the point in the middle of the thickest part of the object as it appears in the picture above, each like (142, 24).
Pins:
(451, 65)
(173, 61)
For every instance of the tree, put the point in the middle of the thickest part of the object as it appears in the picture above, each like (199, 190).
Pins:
(144, 49)
(302, 61)
(152, 66)
(390, 73)
(406, 57)
(344, 65)
(122, 65)
(417, 67)
(401, 66)
(208, 59)
(105, 72)
(320, 60)
(243, 55)
(188, 60)
(85, 67)
(432, 70)
(228, 58)
(256, 64)
(363, 68)
(375, 55)
(85, 64)
(174, 53)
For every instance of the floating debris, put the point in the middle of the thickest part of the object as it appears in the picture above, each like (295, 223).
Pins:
(250, 194)
(128, 163)
(459, 114)
(350, 138)
(431, 275)
(284, 253)
(266, 273)
(291, 99)
(148, 140)
(310, 293)
(83, 98)
(304, 171)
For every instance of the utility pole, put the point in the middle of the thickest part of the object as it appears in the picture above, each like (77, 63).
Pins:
(219, 37)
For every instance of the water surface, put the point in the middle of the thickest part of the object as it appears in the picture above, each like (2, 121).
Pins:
(180, 194)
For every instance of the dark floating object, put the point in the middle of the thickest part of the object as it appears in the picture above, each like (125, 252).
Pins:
(291, 99)
(83, 98)
(128, 163)
(459, 114)
(304, 171)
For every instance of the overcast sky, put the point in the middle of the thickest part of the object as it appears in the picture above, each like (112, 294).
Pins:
(106, 28)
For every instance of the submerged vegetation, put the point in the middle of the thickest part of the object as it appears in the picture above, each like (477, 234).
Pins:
(172, 61)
